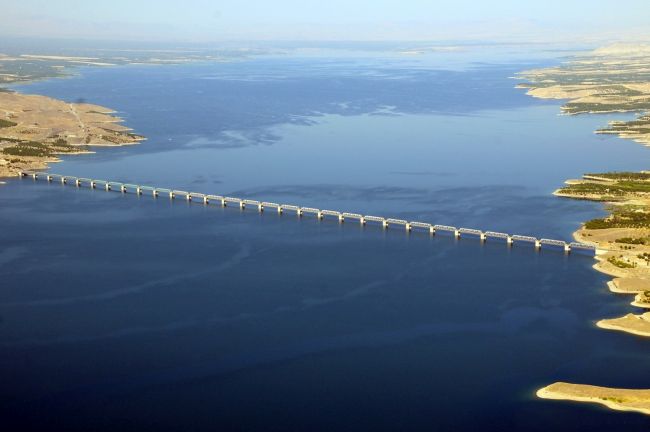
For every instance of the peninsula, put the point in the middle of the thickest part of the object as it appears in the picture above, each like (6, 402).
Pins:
(35, 130)
(609, 79)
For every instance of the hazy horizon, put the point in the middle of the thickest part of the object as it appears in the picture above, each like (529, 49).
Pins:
(203, 21)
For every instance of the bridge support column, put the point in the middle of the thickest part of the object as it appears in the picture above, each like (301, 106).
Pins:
(319, 215)
(154, 193)
(260, 208)
(138, 190)
(22, 174)
(188, 197)
(299, 212)
(538, 245)
(171, 195)
(567, 248)
(384, 224)
(432, 231)
(49, 178)
(242, 206)
(408, 227)
(34, 176)
(63, 180)
(92, 184)
(362, 221)
(457, 234)
(206, 200)
(107, 187)
(509, 241)
(341, 218)
(483, 237)
(279, 209)
(77, 183)
(123, 189)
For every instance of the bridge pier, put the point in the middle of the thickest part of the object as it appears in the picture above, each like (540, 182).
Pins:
(409, 226)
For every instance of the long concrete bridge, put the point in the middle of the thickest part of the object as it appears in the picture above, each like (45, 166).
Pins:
(261, 206)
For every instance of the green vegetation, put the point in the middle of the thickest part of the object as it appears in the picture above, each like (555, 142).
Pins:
(38, 149)
(630, 240)
(14, 140)
(582, 107)
(613, 399)
(644, 297)
(607, 191)
(28, 148)
(623, 175)
(625, 217)
(640, 126)
(620, 263)
(6, 123)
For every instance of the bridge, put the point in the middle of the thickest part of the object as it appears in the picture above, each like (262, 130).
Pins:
(363, 220)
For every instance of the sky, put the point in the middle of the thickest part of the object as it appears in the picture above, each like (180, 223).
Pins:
(328, 20)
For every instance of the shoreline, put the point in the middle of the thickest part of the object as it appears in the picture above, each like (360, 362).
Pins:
(37, 130)
(623, 243)
(629, 400)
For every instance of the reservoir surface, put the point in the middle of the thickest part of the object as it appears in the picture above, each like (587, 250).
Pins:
(120, 312)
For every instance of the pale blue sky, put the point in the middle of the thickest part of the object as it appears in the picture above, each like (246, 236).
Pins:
(214, 20)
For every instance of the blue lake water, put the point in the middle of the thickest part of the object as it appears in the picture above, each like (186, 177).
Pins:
(128, 313)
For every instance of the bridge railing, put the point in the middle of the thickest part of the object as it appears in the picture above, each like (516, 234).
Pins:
(291, 207)
(261, 205)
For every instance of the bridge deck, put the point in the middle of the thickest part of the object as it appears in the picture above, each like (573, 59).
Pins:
(385, 222)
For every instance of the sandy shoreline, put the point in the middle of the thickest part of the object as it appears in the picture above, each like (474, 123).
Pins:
(622, 251)
(613, 398)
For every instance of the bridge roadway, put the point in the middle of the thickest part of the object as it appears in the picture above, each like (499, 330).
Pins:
(224, 201)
